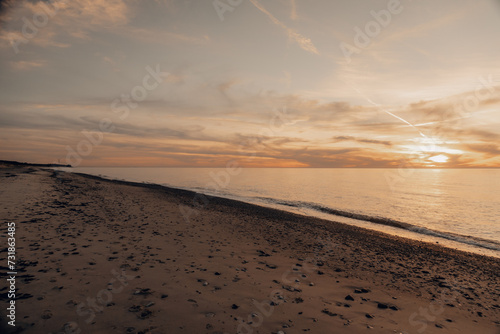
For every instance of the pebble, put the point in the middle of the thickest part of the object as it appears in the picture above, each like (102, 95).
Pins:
(70, 327)
(382, 306)
(47, 314)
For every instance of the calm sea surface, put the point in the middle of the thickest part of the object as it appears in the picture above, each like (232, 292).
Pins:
(455, 207)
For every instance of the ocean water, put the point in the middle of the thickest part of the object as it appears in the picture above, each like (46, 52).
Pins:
(458, 208)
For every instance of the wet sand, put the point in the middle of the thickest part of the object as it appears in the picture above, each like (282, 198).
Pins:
(100, 256)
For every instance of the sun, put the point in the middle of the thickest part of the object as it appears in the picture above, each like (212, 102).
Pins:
(439, 158)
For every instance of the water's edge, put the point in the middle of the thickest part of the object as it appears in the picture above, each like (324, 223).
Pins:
(470, 240)
(331, 213)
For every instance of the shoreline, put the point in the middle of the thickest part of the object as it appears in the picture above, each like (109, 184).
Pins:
(247, 253)
(393, 228)
(267, 212)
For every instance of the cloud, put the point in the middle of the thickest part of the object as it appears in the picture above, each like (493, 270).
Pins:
(490, 149)
(23, 65)
(186, 133)
(161, 36)
(61, 18)
(257, 141)
(15, 39)
(68, 22)
(226, 85)
(303, 42)
(340, 158)
(5, 5)
(102, 13)
(427, 26)
(483, 135)
(49, 121)
(112, 63)
(361, 140)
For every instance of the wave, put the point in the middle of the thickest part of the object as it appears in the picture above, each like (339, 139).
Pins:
(469, 240)
(301, 205)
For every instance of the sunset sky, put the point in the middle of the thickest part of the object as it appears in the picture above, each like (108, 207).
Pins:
(267, 83)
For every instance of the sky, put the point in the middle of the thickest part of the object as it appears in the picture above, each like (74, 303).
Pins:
(260, 83)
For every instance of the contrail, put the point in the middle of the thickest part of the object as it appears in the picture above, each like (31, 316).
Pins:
(303, 42)
(387, 111)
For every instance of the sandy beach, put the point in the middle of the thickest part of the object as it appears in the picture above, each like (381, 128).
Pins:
(100, 256)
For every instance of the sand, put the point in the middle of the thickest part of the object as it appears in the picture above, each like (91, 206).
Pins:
(99, 256)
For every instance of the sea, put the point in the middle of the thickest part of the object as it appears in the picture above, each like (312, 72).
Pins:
(457, 208)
